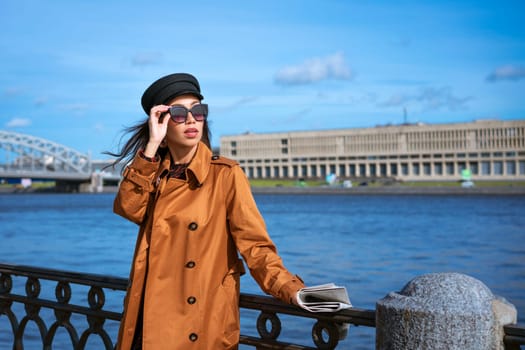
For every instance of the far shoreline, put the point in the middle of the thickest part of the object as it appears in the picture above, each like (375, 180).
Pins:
(333, 190)
(394, 190)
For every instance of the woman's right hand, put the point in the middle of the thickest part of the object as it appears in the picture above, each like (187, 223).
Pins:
(158, 127)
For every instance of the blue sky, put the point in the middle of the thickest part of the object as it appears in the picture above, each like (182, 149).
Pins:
(73, 71)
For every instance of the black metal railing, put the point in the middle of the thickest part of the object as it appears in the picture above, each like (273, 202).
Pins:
(70, 294)
(75, 298)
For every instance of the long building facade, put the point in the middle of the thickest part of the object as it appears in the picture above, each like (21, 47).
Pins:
(489, 150)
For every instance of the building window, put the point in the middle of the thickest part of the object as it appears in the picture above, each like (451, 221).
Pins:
(250, 172)
(234, 152)
(438, 168)
(295, 170)
(393, 169)
(304, 170)
(284, 150)
(259, 172)
(323, 170)
(522, 167)
(373, 169)
(267, 171)
(404, 169)
(284, 142)
(362, 170)
(449, 166)
(382, 169)
(498, 168)
(510, 167)
(233, 144)
(426, 169)
(485, 168)
(352, 169)
(342, 170)
(276, 172)
(474, 168)
(313, 170)
(415, 169)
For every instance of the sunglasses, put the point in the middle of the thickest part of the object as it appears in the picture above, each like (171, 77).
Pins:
(179, 114)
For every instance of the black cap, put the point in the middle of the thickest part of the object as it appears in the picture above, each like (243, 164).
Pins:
(169, 87)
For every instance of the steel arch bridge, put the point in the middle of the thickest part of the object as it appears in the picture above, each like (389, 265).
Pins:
(33, 157)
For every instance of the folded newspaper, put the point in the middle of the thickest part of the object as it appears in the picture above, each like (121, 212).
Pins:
(324, 298)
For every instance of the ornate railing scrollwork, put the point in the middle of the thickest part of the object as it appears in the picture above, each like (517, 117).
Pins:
(64, 304)
(331, 330)
(62, 307)
(262, 322)
(327, 331)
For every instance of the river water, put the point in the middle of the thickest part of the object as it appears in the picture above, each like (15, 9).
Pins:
(371, 244)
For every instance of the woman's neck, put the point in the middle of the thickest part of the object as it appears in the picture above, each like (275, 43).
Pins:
(182, 155)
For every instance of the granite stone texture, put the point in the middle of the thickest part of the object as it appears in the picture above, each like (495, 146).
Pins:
(442, 311)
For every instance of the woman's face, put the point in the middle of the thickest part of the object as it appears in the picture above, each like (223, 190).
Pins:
(186, 134)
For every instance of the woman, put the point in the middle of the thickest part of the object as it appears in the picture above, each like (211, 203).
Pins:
(196, 213)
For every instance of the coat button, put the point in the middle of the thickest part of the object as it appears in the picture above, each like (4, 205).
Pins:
(190, 264)
(193, 337)
(193, 226)
(192, 300)
(215, 157)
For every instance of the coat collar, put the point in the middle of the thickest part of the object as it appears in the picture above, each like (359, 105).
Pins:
(199, 166)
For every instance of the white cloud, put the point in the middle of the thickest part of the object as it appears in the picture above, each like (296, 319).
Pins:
(75, 107)
(40, 101)
(508, 72)
(235, 104)
(314, 70)
(12, 91)
(429, 98)
(99, 127)
(18, 122)
(146, 59)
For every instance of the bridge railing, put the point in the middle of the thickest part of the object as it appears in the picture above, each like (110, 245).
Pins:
(77, 309)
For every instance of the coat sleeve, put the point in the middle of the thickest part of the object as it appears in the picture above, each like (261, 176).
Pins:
(253, 242)
(135, 189)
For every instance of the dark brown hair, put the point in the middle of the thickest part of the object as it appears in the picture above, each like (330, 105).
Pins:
(139, 139)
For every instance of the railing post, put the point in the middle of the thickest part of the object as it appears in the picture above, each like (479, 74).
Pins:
(442, 311)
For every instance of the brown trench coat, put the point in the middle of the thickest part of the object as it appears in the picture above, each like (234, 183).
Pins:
(186, 267)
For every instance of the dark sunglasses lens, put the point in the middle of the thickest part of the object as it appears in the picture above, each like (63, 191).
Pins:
(178, 114)
(199, 112)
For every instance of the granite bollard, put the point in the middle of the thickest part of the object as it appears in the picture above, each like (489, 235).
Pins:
(442, 311)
